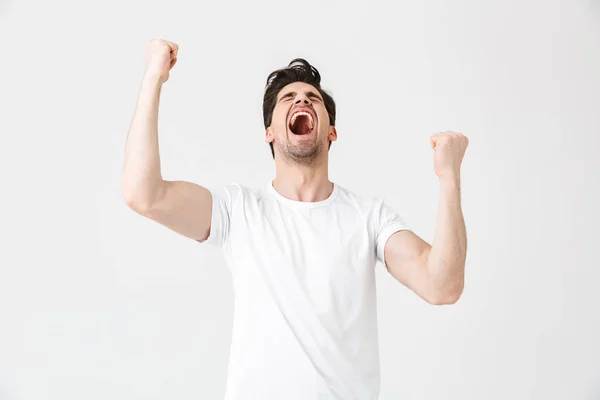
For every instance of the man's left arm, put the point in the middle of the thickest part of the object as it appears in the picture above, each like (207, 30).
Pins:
(436, 272)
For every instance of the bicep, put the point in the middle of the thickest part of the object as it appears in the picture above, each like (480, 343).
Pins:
(406, 259)
(183, 207)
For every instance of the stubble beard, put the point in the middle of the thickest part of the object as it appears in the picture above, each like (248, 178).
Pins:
(300, 155)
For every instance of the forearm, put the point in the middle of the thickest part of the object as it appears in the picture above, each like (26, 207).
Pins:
(446, 262)
(142, 177)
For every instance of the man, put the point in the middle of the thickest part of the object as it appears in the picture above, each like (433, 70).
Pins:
(302, 250)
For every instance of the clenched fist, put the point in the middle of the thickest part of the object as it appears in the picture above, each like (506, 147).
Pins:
(161, 56)
(448, 152)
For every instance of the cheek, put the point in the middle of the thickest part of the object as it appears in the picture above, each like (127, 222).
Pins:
(323, 117)
(279, 121)
(324, 123)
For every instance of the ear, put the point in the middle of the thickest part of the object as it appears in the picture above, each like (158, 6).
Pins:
(269, 135)
(332, 134)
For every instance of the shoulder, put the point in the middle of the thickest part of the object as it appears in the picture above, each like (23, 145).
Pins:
(366, 204)
(373, 209)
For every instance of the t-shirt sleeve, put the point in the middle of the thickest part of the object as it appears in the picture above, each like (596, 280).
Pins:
(388, 223)
(223, 203)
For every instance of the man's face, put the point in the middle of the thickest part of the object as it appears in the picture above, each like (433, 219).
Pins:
(300, 129)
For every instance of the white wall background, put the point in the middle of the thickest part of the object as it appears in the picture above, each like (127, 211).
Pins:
(97, 302)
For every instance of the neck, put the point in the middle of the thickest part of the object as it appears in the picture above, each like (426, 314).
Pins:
(308, 183)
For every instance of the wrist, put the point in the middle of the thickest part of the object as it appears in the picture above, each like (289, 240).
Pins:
(452, 180)
(152, 78)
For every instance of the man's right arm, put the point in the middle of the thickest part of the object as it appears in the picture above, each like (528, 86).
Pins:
(183, 207)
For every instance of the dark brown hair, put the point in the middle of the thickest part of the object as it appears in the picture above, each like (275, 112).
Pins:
(298, 70)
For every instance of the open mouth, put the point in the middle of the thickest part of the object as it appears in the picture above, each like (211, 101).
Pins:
(301, 123)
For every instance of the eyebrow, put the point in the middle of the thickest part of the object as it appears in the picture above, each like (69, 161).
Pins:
(292, 94)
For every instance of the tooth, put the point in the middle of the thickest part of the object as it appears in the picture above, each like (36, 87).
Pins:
(310, 118)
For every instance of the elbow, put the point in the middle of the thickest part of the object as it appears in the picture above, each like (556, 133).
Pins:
(443, 301)
(136, 200)
(445, 297)
(128, 193)
(135, 203)
(130, 199)
(447, 290)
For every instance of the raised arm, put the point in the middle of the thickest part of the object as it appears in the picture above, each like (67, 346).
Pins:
(436, 272)
(183, 207)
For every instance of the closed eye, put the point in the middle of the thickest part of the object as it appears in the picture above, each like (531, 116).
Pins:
(290, 95)
(286, 96)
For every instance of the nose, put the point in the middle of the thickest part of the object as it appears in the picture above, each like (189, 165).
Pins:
(302, 99)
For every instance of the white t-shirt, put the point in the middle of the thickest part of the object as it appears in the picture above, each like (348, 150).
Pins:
(305, 320)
